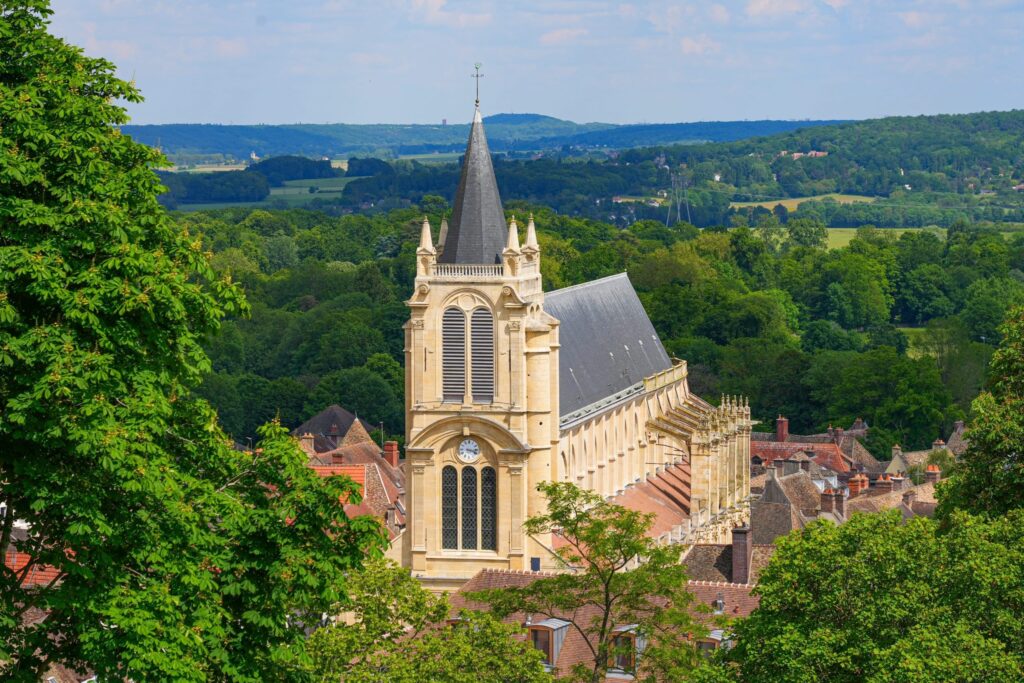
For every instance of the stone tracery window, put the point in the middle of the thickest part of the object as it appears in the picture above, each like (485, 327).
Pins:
(488, 509)
(449, 508)
(469, 508)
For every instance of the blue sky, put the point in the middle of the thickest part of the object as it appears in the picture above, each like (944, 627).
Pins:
(367, 61)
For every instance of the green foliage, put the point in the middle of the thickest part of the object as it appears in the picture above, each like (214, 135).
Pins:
(605, 588)
(990, 475)
(393, 629)
(879, 599)
(176, 557)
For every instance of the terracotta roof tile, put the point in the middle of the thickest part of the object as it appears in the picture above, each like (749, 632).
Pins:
(738, 602)
(666, 495)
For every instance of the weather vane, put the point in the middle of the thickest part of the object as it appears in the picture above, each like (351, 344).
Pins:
(477, 76)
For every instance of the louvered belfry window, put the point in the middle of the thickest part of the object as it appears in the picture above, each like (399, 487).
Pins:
(482, 349)
(468, 508)
(488, 509)
(453, 355)
(449, 508)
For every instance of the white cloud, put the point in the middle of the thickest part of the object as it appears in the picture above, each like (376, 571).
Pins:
(434, 12)
(768, 8)
(719, 14)
(915, 19)
(836, 4)
(230, 47)
(699, 45)
(563, 36)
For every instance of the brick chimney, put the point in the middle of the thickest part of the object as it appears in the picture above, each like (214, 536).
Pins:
(840, 503)
(909, 497)
(858, 483)
(938, 444)
(391, 452)
(896, 450)
(770, 472)
(828, 500)
(884, 484)
(932, 474)
(742, 554)
(781, 429)
(306, 442)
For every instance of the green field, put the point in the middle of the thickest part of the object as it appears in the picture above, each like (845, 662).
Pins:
(438, 158)
(793, 203)
(294, 193)
(840, 237)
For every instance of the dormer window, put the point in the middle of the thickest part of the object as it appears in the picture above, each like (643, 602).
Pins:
(541, 639)
(548, 636)
(624, 648)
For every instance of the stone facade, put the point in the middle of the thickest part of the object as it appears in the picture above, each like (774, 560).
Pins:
(516, 431)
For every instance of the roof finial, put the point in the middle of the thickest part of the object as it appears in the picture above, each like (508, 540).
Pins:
(513, 236)
(477, 76)
(426, 244)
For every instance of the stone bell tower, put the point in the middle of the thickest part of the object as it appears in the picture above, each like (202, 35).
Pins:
(481, 388)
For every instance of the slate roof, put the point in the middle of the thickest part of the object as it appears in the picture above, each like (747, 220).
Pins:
(477, 230)
(608, 344)
(957, 441)
(329, 427)
(713, 561)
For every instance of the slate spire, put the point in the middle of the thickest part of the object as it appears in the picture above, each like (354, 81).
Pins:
(477, 231)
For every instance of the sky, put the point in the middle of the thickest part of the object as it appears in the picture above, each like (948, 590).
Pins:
(394, 61)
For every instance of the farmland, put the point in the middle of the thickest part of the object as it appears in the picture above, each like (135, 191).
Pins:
(792, 203)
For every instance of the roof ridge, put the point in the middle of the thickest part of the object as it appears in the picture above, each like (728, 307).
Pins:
(586, 284)
(701, 582)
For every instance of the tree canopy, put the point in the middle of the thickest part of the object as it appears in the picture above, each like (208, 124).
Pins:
(877, 599)
(615, 575)
(171, 555)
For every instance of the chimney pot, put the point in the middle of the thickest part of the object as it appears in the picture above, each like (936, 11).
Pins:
(932, 474)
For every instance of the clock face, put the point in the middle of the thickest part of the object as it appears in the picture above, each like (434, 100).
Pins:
(469, 450)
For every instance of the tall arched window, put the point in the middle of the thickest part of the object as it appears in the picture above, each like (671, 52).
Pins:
(453, 355)
(449, 508)
(488, 509)
(469, 510)
(482, 350)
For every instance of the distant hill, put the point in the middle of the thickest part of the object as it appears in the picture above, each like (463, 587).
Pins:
(644, 135)
(505, 132)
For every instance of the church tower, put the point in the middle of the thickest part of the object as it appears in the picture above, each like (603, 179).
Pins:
(481, 388)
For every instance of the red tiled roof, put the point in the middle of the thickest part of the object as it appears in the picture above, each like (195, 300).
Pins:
(825, 454)
(666, 495)
(738, 602)
(356, 473)
(38, 575)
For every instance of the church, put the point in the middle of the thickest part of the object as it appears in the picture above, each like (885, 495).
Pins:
(507, 385)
